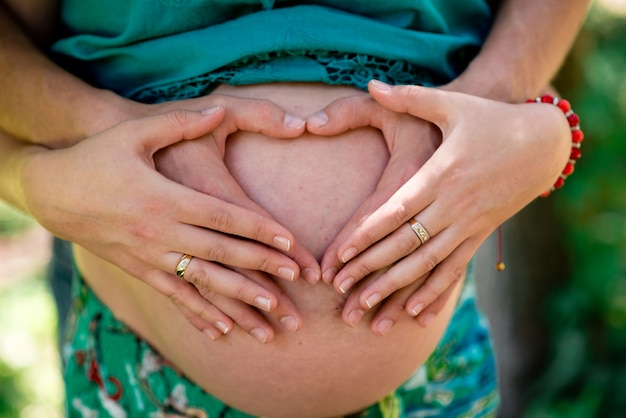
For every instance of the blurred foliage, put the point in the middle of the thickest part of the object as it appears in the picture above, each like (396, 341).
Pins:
(31, 385)
(586, 375)
(12, 222)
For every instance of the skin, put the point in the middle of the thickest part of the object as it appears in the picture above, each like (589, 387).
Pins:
(43, 104)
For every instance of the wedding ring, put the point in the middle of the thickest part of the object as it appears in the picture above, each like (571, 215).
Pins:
(419, 230)
(182, 265)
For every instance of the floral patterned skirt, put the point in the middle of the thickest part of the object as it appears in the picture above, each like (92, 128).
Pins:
(111, 372)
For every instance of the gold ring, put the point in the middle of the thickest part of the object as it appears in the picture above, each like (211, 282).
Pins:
(419, 230)
(182, 265)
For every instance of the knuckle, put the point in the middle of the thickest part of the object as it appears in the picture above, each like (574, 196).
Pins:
(407, 244)
(392, 286)
(221, 221)
(458, 274)
(199, 278)
(216, 253)
(176, 298)
(264, 263)
(400, 214)
(365, 269)
(208, 295)
(430, 261)
(178, 117)
(429, 294)
(265, 110)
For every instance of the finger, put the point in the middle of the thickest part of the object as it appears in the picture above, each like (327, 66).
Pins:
(185, 296)
(286, 314)
(200, 324)
(411, 198)
(153, 133)
(261, 116)
(393, 309)
(394, 247)
(349, 113)
(211, 277)
(196, 208)
(226, 249)
(352, 312)
(428, 315)
(407, 271)
(245, 317)
(431, 104)
(449, 272)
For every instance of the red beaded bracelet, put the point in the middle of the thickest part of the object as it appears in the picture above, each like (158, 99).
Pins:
(575, 154)
(577, 137)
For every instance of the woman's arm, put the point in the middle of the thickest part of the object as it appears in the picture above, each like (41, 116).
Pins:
(521, 55)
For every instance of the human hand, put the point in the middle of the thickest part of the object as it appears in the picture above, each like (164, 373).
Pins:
(470, 186)
(410, 142)
(142, 222)
(200, 166)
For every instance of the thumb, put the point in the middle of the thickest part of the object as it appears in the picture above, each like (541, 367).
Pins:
(156, 132)
(431, 104)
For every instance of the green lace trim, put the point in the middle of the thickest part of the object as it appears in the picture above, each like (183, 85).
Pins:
(341, 69)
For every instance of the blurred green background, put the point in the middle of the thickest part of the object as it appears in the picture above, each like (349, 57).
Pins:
(584, 372)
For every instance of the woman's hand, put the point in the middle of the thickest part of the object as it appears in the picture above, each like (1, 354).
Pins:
(143, 222)
(200, 166)
(494, 159)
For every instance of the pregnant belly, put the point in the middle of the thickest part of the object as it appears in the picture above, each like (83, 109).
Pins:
(312, 185)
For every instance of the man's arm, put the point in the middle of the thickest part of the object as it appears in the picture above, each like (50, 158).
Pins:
(524, 50)
(40, 102)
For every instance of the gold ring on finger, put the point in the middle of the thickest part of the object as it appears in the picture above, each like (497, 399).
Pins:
(182, 265)
(419, 230)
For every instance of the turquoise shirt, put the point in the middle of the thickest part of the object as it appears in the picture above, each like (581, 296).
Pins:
(129, 46)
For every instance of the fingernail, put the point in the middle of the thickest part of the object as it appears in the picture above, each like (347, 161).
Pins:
(318, 120)
(282, 243)
(417, 309)
(211, 110)
(380, 85)
(427, 319)
(384, 326)
(259, 334)
(329, 274)
(286, 273)
(294, 122)
(222, 327)
(290, 323)
(310, 275)
(372, 300)
(348, 254)
(346, 284)
(355, 316)
(263, 303)
(209, 334)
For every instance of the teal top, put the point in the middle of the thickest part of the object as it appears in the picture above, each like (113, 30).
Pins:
(143, 48)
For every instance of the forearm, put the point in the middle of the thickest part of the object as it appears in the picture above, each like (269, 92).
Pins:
(525, 49)
(40, 102)
(13, 156)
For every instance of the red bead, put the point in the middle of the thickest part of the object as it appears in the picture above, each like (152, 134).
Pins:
(573, 119)
(575, 154)
(569, 169)
(531, 100)
(577, 136)
(546, 98)
(564, 105)
(559, 183)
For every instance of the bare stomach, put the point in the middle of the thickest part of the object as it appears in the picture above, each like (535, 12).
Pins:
(312, 185)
